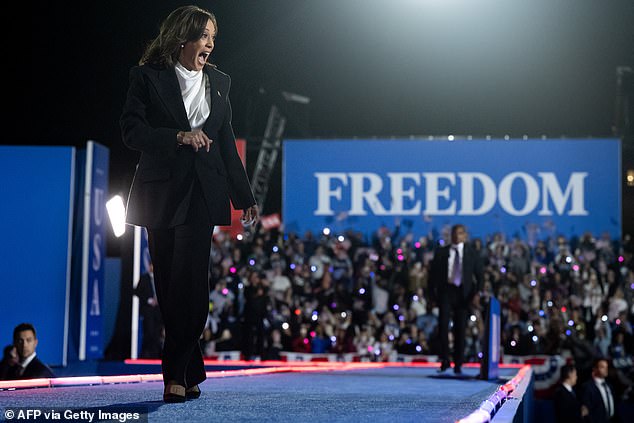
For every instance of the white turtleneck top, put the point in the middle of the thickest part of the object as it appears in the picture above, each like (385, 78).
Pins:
(196, 95)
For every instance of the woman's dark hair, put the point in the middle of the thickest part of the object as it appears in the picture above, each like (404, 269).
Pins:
(187, 23)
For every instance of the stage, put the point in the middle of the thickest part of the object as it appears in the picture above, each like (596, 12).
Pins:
(279, 391)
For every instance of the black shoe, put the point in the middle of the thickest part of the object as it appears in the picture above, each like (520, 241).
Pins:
(174, 393)
(443, 367)
(193, 392)
(457, 370)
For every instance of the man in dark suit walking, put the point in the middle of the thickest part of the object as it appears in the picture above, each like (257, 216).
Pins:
(29, 366)
(597, 394)
(568, 409)
(456, 276)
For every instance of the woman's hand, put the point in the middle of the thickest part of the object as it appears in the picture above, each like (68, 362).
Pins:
(250, 216)
(197, 139)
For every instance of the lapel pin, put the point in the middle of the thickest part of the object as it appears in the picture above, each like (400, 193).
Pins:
(218, 93)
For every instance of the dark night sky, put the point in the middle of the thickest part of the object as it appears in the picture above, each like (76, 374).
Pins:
(371, 68)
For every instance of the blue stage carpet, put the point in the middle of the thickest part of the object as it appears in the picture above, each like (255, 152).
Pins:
(403, 394)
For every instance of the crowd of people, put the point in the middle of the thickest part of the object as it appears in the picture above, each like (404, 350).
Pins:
(343, 293)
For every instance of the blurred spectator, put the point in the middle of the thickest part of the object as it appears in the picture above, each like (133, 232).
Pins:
(341, 265)
(280, 283)
(28, 366)
(568, 408)
(383, 349)
(344, 341)
(256, 314)
(9, 360)
(617, 304)
(319, 263)
(517, 343)
(220, 298)
(617, 347)
(418, 277)
(153, 330)
(319, 343)
(603, 340)
(380, 296)
(300, 342)
(597, 394)
(275, 346)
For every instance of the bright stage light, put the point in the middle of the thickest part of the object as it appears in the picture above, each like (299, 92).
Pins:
(116, 213)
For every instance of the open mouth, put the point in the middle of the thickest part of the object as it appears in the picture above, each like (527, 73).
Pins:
(202, 57)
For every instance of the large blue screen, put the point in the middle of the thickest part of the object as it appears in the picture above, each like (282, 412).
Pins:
(532, 189)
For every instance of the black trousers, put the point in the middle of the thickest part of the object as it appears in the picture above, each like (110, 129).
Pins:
(452, 302)
(180, 256)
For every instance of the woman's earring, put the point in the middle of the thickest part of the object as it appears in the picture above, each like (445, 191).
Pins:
(182, 45)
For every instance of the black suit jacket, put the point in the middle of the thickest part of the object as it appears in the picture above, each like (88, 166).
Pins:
(152, 116)
(591, 398)
(472, 272)
(567, 406)
(35, 370)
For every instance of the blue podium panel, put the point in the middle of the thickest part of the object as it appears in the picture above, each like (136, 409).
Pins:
(492, 341)
(36, 210)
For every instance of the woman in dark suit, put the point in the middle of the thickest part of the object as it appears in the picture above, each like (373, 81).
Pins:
(177, 114)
